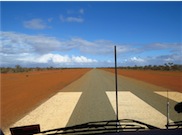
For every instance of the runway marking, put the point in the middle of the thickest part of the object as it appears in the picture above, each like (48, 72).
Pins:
(54, 113)
(132, 107)
(173, 95)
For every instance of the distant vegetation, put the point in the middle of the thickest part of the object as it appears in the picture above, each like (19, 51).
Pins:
(19, 69)
(165, 67)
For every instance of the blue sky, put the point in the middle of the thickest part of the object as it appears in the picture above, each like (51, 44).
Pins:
(83, 34)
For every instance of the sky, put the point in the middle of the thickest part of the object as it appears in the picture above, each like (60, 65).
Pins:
(83, 34)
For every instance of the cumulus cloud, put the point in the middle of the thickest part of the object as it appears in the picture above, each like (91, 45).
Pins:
(23, 48)
(100, 46)
(174, 58)
(57, 58)
(152, 60)
(49, 59)
(155, 54)
(37, 24)
(135, 59)
(20, 43)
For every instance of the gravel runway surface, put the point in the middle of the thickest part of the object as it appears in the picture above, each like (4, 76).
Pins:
(92, 98)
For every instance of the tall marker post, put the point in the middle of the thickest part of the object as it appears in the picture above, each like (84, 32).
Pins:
(116, 83)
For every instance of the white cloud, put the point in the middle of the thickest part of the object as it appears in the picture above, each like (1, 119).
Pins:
(98, 47)
(40, 44)
(21, 43)
(174, 58)
(132, 61)
(152, 60)
(23, 48)
(37, 24)
(82, 59)
(57, 59)
(71, 19)
(135, 59)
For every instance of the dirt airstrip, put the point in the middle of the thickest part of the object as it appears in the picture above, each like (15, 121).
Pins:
(22, 92)
(171, 80)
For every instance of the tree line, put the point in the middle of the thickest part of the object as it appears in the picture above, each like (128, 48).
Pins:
(19, 69)
(165, 67)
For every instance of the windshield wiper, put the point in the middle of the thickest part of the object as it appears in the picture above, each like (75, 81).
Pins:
(102, 127)
(176, 124)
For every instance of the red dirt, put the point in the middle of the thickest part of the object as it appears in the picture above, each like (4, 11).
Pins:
(168, 79)
(22, 92)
